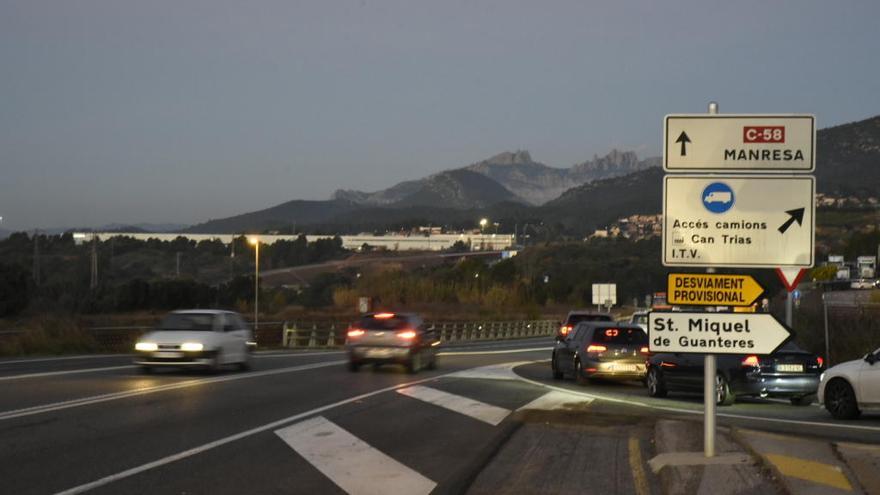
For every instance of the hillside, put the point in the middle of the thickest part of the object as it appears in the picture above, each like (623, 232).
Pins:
(280, 216)
(848, 159)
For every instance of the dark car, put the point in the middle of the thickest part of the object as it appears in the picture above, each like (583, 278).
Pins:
(601, 350)
(391, 338)
(790, 372)
(576, 316)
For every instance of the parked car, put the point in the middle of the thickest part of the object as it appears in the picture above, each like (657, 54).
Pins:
(849, 388)
(578, 315)
(601, 350)
(391, 338)
(790, 372)
(200, 338)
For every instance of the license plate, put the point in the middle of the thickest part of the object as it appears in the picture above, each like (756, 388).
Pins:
(796, 368)
(621, 367)
(378, 353)
(166, 354)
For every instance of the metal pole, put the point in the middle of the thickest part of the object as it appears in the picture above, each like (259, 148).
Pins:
(827, 341)
(256, 287)
(788, 308)
(709, 371)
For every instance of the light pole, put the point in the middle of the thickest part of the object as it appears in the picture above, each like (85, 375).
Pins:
(256, 243)
(483, 223)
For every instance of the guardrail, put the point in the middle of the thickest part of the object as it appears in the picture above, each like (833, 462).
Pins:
(324, 334)
(311, 334)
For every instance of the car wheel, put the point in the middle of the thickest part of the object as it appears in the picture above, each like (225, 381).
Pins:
(579, 373)
(723, 395)
(147, 370)
(840, 400)
(557, 375)
(354, 366)
(804, 400)
(432, 364)
(655, 383)
(414, 364)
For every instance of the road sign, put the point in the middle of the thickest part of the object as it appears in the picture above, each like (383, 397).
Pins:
(745, 221)
(700, 289)
(739, 143)
(715, 333)
(605, 294)
(790, 277)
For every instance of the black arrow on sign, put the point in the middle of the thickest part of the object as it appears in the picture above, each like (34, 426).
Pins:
(797, 215)
(683, 139)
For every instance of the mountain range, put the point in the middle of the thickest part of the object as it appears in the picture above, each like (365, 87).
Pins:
(515, 189)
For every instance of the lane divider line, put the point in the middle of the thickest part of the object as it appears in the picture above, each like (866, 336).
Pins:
(85, 401)
(232, 438)
(349, 462)
(510, 351)
(64, 372)
(640, 481)
(812, 471)
(486, 413)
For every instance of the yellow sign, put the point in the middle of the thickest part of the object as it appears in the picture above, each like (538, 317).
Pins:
(711, 289)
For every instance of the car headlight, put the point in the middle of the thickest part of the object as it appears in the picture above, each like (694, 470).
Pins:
(191, 346)
(146, 346)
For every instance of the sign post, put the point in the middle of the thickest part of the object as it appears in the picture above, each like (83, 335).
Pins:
(718, 218)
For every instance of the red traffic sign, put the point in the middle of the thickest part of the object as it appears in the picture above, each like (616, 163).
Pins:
(791, 277)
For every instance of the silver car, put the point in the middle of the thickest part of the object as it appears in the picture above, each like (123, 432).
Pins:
(391, 338)
(207, 339)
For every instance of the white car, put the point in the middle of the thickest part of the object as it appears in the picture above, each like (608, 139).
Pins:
(197, 338)
(851, 387)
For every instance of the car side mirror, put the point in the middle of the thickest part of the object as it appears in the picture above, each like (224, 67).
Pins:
(870, 358)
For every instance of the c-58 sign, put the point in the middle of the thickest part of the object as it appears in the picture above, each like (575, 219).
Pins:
(739, 143)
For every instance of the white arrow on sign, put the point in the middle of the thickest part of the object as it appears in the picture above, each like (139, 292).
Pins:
(715, 333)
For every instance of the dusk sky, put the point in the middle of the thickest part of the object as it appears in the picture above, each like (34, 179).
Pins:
(183, 111)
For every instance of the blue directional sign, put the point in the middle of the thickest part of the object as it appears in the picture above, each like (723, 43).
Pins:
(718, 197)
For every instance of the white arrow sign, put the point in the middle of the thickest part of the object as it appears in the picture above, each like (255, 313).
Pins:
(715, 333)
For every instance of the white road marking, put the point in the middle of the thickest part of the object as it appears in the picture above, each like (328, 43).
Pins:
(351, 463)
(64, 372)
(232, 438)
(296, 354)
(492, 372)
(85, 401)
(463, 405)
(64, 358)
(692, 411)
(556, 400)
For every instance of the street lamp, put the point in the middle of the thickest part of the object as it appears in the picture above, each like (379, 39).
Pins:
(255, 241)
(483, 223)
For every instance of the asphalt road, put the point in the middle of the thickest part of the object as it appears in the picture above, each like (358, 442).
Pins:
(299, 422)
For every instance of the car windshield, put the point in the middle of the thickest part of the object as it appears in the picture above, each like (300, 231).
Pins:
(188, 322)
(622, 336)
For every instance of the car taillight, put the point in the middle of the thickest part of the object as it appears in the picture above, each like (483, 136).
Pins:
(820, 361)
(565, 329)
(355, 333)
(751, 361)
(644, 350)
(407, 334)
(596, 348)
(383, 316)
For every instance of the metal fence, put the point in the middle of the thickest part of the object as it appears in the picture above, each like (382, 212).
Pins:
(316, 334)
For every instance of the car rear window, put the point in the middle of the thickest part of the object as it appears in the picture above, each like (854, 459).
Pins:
(622, 336)
(188, 322)
(575, 319)
(373, 323)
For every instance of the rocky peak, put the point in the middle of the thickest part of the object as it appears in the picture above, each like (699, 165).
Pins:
(510, 158)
